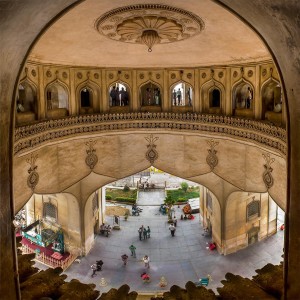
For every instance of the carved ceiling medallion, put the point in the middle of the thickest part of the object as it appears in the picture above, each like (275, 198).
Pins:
(149, 24)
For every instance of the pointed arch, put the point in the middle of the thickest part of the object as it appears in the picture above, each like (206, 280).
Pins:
(211, 103)
(181, 95)
(119, 96)
(271, 98)
(243, 98)
(27, 102)
(88, 103)
(57, 99)
(150, 95)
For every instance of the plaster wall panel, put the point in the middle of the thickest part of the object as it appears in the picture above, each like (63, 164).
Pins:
(195, 152)
(132, 149)
(71, 163)
(22, 192)
(279, 189)
(264, 216)
(216, 222)
(231, 162)
(89, 222)
(72, 235)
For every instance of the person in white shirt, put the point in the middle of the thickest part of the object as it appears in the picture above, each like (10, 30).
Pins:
(146, 260)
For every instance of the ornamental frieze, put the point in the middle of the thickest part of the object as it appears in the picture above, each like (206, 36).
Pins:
(212, 159)
(267, 174)
(33, 177)
(151, 154)
(91, 158)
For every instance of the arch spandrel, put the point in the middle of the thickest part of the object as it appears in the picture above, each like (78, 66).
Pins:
(120, 155)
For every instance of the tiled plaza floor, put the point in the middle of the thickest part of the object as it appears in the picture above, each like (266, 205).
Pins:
(179, 259)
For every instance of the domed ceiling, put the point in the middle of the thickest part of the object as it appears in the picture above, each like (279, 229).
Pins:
(135, 34)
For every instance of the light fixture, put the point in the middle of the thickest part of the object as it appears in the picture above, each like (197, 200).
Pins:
(150, 37)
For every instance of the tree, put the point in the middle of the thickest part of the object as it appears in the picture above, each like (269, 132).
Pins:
(184, 186)
(169, 201)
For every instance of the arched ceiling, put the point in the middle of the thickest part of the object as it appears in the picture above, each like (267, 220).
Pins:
(74, 40)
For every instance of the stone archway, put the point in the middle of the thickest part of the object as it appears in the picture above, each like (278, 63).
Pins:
(275, 22)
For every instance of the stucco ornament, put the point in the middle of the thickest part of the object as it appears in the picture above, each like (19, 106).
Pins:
(149, 24)
(151, 153)
(267, 175)
(33, 177)
(91, 158)
(212, 159)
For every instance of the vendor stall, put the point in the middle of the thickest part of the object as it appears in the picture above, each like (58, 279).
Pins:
(44, 233)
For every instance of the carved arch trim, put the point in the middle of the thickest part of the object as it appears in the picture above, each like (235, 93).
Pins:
(96, 91)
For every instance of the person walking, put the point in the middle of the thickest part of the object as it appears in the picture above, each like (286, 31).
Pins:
(124, 259)
(99, 264)
(132, 249)
(146, 260)
(148, 232)
(175, 221)
(172, 229)
(140, 231)
(145, 233)
(94, 269)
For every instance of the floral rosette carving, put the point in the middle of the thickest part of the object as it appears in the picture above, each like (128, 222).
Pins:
(151, 154)
(212, 159)
(33, 177)
(267, 175)
(91, 158)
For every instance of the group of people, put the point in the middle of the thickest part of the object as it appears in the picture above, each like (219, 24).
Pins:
(96, 267)
(119, 97)
(105, 229)
(144, 232)
(179, 100)
(152, 96)
(136, 210)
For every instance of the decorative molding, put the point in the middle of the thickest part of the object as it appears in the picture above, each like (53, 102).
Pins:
(33, 177)
(212, 159)
(91, 158)
(151, 153)
(30, 136)
(149, 24)
(267, 175)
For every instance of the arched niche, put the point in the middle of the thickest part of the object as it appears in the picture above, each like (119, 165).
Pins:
(119, 97)
(150, 95)
(182, 95)
(243, 99)
(57, 100)
(212, 94)
(271, 97)
(88, 97)
(26, 107)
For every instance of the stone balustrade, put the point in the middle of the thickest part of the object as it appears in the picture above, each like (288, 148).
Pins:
(30, 136)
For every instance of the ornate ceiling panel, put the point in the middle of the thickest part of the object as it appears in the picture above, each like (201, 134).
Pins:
(149, 24)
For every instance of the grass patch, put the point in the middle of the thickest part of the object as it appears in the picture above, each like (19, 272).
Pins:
(182, 196)
(121, 195)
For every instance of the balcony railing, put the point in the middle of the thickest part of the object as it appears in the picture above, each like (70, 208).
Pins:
(30, 136)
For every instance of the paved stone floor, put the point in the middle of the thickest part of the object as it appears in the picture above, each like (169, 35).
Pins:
(179, 259)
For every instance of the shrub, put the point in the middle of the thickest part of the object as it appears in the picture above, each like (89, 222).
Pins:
(184, 186)
(182, 200)
(108, 197)
(125, 199)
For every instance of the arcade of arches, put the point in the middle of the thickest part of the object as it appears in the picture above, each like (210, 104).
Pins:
(84, 120)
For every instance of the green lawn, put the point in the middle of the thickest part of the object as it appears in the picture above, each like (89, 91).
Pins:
(182, 196)
(119, 193)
